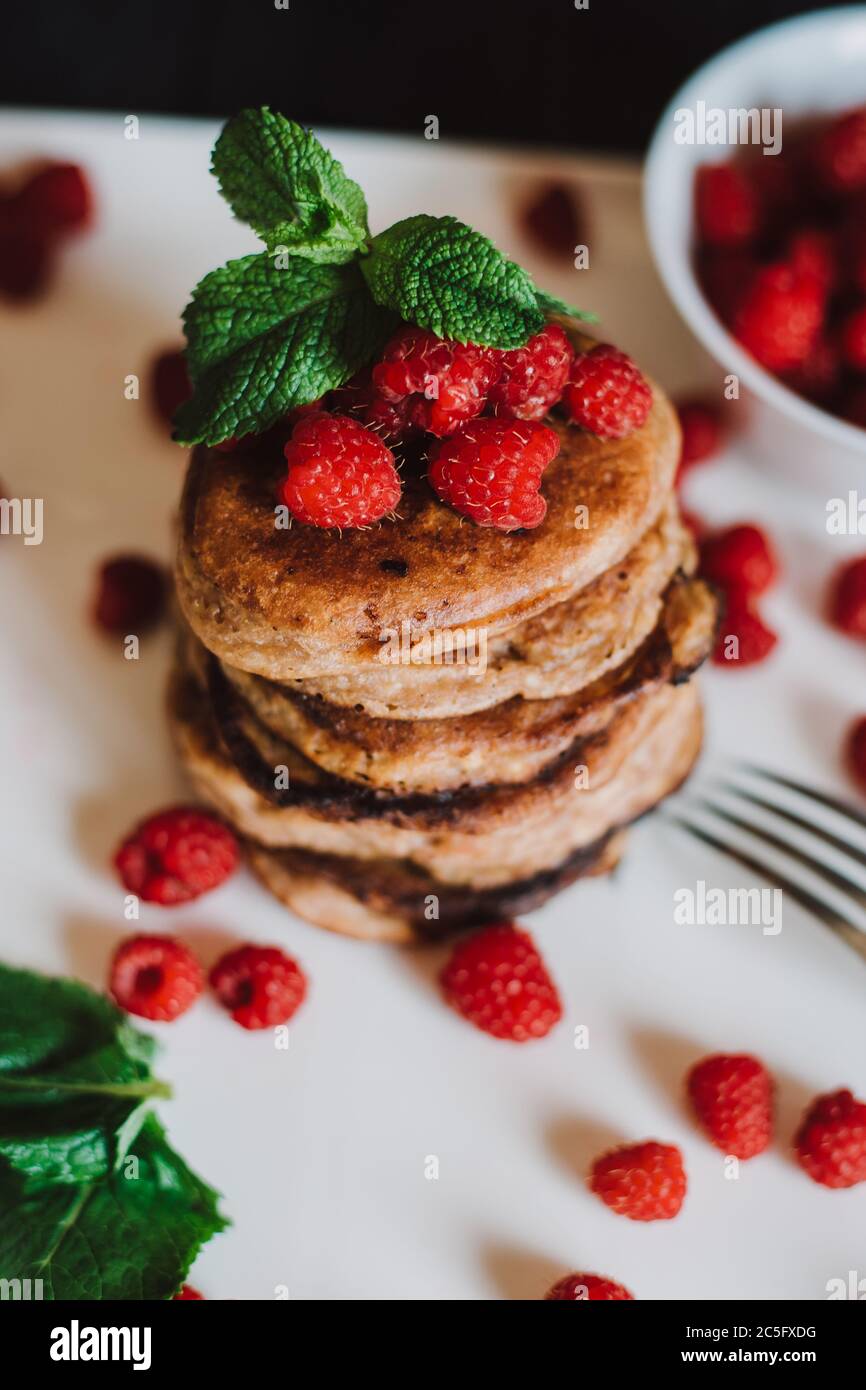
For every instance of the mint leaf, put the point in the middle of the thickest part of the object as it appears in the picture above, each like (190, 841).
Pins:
(442, 275)
(127, 1237)
(74, 1079)
(263, 339)
(549, 304)
(278, 177)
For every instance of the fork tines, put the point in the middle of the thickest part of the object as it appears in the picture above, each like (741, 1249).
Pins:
(804, 825)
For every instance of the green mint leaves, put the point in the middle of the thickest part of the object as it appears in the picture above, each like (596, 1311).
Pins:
(277, 177)
(274, 331)
(442, 275)
(93, 1200)
(263, 340)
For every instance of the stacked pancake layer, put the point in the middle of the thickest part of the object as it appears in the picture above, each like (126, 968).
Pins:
(430, 723)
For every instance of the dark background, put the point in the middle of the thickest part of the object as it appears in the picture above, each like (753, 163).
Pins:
(504, 70)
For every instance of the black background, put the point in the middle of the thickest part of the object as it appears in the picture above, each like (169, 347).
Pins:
(504, 70)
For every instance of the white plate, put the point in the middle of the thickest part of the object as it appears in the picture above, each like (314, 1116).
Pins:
(320, 1151)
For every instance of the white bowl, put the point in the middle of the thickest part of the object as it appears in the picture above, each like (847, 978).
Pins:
(805, 66)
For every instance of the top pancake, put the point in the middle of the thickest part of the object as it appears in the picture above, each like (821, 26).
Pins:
(306, 601)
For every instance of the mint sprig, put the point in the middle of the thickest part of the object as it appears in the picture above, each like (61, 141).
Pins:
(276, 176)
(75, 1094)
(274, 331)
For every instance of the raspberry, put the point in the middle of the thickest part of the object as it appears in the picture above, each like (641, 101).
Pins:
(555, 220)
(856, 751)
(390, 419)
(491, 471)
(497, 980)
(340, 474)
(743, 639)
(176, 855)
(586, 1288)
(732, 1097)
(130, 596)
(840, 153)
(606, 393)
(853, 339)
(155, 977)
(24, 264)
(726, 206)
(810, 252)
(170, 383)
(831, 1140)
(780, 317)
(739, 558)
(848, 598)
(646, 1182)
(55, 201)
(818, 376)
(448, 381)
(187, 1293)
(701, 428)
(259, 985)
(532, 378)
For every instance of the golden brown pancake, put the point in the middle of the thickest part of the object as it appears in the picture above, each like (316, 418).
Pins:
(393, 900)
(306, 602)
(508, 742)
(480, 837)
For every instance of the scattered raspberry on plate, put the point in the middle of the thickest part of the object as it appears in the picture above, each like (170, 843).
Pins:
(732, 1096)
(176, 856)
(645, 1182)
(497, 979)
(587, 1288)
(259, 985)
(831, 1141)
(155, 977)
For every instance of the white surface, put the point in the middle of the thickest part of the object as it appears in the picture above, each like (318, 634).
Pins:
(810, 65)
(320, 1151)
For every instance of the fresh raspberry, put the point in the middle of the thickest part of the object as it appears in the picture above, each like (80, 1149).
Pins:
(856, 751)
(188, 1293)
(852, 337)
(176, 855)
(725, 277)
(555, 220)
(448, 381)
(130, 595)
(340, 474)
(532, 378)
(701, 427)
(646, 1182)
(55, 201)
(497, 980)
(831, 1140)
(606, 393)
(733, 1099)
(726, 206)
(25, 264)
(155, 977)
(170, 383)
(390, 419)
(817, 378)
(810, 252)
(491, 471)
(259, 985)
(780, 317)
(848, 598)
(840, 153)
(741, 558)
(743, 639)
(586, 1288)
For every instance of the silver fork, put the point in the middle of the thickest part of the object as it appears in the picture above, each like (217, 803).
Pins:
(848, 817)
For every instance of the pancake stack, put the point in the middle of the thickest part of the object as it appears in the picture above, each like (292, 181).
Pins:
(430, 724)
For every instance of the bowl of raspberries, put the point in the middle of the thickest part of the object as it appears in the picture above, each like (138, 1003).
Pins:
(755, 203)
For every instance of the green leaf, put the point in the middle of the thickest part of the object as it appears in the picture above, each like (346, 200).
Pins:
(74, 1079)
(132, 1236)
(549, 304)
(442, 275)
(264, 338)
(278, 177)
